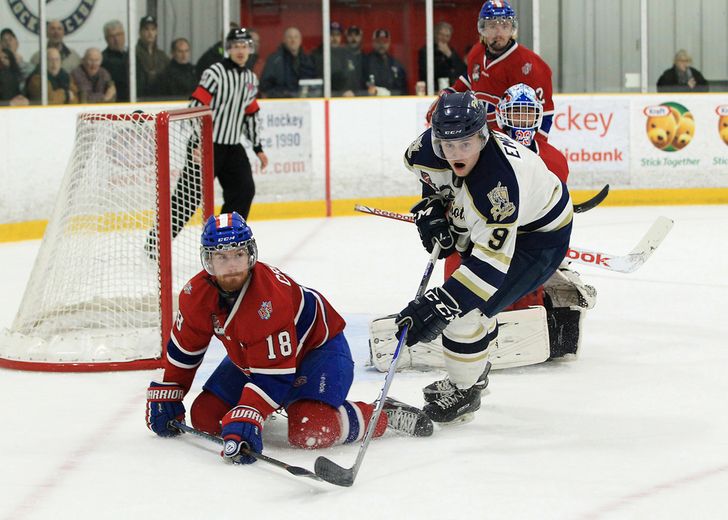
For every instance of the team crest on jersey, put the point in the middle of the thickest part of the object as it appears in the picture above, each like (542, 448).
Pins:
(217, 326)
(414, 147)
(502, 207)
(265, 311)
(526, 69)
(476, 72)
(187, 289)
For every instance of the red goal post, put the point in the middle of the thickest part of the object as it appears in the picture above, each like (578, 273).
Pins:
(122, 241)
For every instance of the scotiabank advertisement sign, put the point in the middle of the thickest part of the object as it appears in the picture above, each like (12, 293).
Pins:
(641, 141)
(593, 134)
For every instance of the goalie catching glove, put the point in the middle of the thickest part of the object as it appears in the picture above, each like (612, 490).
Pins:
(427, 316)
(433, 226)
(241, 429)
(164, 404)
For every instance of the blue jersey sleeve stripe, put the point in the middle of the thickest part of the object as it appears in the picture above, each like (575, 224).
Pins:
(307, 314)
(182, 359)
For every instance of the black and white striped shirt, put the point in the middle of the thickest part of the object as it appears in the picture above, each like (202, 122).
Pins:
(230, 92)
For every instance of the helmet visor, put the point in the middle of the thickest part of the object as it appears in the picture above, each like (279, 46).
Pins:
(229, 261)
(459, 149)
(491, 25)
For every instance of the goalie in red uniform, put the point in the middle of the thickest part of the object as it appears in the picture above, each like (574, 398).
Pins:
(285, 349)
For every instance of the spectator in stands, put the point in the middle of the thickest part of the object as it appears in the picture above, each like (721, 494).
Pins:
(93, 81)
(286, 66)
(151, 60)
(180, 79)
(10, 76)
(341, 63)
(62, 90)
(70, 59)
(448, 64)
(681, 77)
(9, 41)
(355, 61)
(384, 73)
(116, 58)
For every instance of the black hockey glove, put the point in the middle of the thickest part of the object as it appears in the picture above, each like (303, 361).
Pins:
(427, 316)
(433, 226)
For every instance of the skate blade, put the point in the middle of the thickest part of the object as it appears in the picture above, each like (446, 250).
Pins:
(463, 419)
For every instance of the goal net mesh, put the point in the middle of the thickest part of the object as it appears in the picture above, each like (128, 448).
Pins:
(94, 292)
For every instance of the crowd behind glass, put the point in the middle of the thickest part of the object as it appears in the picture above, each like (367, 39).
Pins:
(360, 66)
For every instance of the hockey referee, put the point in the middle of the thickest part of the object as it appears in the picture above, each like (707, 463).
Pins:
(229, 88)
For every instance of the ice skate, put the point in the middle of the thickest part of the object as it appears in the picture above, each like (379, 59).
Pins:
(445, 386)
(455, 407)
(407, 419)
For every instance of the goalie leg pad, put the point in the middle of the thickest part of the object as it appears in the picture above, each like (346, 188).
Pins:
(565, 330)
(565, 288)
(523, 339)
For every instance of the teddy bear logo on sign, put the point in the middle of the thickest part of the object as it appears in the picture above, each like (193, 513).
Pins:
(722, 112)
(670, 126)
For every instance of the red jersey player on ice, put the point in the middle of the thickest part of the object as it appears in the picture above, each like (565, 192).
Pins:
(498, 61)
(285, 349)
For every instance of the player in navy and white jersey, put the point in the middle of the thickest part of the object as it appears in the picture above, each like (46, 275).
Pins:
(285, 348)
(494, 201)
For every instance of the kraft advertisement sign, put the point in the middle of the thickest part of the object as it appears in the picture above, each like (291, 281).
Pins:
(593, 133)
(681, 135)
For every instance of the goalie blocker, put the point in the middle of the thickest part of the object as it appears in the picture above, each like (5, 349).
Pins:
(525, 337)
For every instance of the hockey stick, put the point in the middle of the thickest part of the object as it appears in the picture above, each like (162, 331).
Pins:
(329, 470)
(620, 263)
(293, 470)
(593, 202)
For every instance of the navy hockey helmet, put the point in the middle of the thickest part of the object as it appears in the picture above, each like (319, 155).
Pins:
(498, 10)
(226, 232)
(239, 35)
(520, 113)
(458, 116)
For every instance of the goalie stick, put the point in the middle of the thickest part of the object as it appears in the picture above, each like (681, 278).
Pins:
(293, 470)
(328, 469)
(620, 263)
(593, 202)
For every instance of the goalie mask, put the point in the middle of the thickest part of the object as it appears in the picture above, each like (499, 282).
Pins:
(457, 118)
(519, 113)
(227, 245)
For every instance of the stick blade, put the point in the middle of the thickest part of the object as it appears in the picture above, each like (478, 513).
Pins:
(333, 473)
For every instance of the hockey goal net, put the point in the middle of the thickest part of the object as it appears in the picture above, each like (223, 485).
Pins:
(122, 241)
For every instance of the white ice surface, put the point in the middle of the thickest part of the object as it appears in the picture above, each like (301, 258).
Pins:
(636, 427)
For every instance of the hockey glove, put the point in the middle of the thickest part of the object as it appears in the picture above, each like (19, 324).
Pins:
(164, 404)
(433, 226)
(427, 316)
(241, 428)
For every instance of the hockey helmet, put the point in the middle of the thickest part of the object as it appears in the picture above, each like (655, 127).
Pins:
(497, 10)
(239, 35)
(226, 232)
(458, 116)
(520, 113)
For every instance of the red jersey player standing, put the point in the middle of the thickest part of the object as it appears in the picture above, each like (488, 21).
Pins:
(285, 348)
(498, 61)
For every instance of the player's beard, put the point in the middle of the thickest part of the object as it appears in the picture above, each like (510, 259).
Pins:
(232, 282)
(498, 44)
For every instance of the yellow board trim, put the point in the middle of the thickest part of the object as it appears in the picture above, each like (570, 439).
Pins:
(33, 229)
